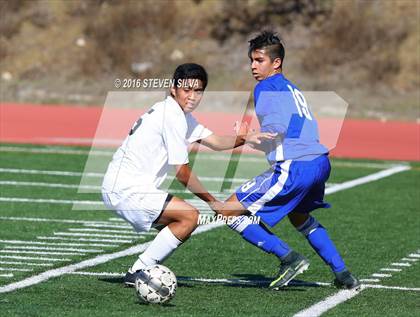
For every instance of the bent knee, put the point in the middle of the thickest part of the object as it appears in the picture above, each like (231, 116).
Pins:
(195, 214)
(190, 218)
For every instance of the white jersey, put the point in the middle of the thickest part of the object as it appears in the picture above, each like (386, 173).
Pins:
(158, 139)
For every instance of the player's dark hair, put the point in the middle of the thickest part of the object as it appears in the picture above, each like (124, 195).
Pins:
(190, 71)
(270, 42)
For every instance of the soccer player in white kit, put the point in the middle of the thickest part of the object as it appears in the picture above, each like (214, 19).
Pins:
(158, 140)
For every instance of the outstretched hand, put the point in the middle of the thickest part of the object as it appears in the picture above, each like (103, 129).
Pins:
(254, 139)
(216, 206)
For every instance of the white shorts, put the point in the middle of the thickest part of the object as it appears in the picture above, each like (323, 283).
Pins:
(137, 205)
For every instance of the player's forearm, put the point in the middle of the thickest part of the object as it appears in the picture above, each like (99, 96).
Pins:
(199, 190)
(229, 142)
(220, 143)
(190, 181)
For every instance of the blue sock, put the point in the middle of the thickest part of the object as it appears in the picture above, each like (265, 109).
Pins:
(261, 237)
(322, 244)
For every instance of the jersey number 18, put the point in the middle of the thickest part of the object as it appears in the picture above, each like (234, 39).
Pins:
(300, 103)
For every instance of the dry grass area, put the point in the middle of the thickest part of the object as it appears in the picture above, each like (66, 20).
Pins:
(70, 51)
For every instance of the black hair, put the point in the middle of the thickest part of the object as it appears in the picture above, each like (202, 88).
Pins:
(190, 71)
(269, 41)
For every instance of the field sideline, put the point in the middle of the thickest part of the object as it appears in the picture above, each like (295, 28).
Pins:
(59, 256)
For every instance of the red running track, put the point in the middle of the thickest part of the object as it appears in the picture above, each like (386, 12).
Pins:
(74, 125)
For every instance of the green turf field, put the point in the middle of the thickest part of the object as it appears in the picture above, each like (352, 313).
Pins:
(374, 224)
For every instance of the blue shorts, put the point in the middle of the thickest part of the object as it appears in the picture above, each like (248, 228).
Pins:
(286, 187)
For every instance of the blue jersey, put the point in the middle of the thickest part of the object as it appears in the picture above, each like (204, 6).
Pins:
(281, 108)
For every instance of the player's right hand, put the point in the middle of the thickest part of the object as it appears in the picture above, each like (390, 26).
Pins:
(216, 206)
(257, 138)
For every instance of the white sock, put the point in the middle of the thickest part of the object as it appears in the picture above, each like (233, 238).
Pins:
(161, 247)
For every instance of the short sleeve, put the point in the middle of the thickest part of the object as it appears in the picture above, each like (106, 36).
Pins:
(196, 131)
(271, 108)
(262, 86)
(174, 137)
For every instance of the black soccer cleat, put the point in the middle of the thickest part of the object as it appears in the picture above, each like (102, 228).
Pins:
(130, 278)
(289, 270)
(346, 280)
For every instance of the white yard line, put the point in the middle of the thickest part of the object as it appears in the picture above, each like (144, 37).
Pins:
(26, 263)
(53, 185)
(39, 252)
(117, 219)
(381, 275)
(386, 269)
(399, 288)
(15, 269)
(85, 239)
(36, 279)
(332, 301)
(414, 255)
(6, 275)
(53, 201)
(403, 264)
(409, 260)
(55, 220)
(127, 232)
(367, 179)
(70, 234)
(371, 280)
(104, 274)
(16, 257)
(52, 249)
(107, 226)
(59, 243)
(48, 172)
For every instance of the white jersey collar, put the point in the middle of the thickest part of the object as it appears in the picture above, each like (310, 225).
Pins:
(173, 103)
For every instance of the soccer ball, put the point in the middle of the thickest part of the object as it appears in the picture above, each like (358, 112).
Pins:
(156, 284)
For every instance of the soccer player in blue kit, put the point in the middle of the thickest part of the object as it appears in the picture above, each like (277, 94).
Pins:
(294, 185)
